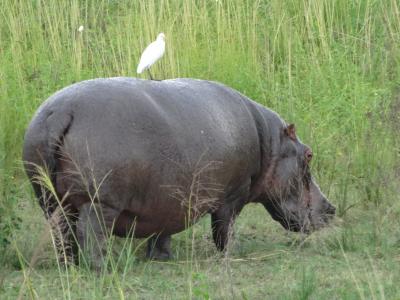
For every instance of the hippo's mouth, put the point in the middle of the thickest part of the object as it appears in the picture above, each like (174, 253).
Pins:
(310, 224)
(327, 218)
(319, 222)
(296, 226)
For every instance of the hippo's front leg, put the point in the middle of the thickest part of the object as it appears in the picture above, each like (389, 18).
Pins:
(221, 223)
(223, 218)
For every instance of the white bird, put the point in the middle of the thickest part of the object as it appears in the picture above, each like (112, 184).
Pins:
(80, 29)
(151, 54)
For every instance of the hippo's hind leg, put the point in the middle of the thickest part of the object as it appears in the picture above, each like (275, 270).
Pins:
(159, 247)
(63, 226)
(93, 228)
(61, 218)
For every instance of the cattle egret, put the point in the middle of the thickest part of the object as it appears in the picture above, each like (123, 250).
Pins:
(151, 54)
(80, 29)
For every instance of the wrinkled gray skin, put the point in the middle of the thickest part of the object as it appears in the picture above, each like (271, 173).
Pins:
(151, 157)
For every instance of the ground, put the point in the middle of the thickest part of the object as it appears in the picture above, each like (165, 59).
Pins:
(343, 261)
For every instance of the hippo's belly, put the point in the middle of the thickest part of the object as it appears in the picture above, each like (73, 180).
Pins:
(128, 224)
(148, 196)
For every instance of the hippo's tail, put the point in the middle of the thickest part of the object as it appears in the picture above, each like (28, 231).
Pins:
(40, 153)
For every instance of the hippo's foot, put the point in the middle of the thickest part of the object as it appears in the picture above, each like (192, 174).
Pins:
(159, 248)
(66, 255)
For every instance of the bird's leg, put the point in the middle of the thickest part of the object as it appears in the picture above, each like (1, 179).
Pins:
(151, 77)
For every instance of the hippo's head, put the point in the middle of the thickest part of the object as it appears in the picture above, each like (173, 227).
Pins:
(292, 197)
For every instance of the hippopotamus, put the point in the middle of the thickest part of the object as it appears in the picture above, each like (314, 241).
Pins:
(147, 159)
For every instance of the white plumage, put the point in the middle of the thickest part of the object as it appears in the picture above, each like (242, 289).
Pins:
(152, 53)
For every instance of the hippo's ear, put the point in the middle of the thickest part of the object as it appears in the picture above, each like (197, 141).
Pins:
(290, 131)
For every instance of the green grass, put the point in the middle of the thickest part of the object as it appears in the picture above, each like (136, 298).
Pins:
(330, 67)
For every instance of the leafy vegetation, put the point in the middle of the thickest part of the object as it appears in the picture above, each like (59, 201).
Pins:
(331, 67)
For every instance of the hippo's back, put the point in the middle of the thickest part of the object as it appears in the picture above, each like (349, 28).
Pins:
(169, 119)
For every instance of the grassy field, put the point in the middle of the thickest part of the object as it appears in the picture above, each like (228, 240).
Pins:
(332, 67)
